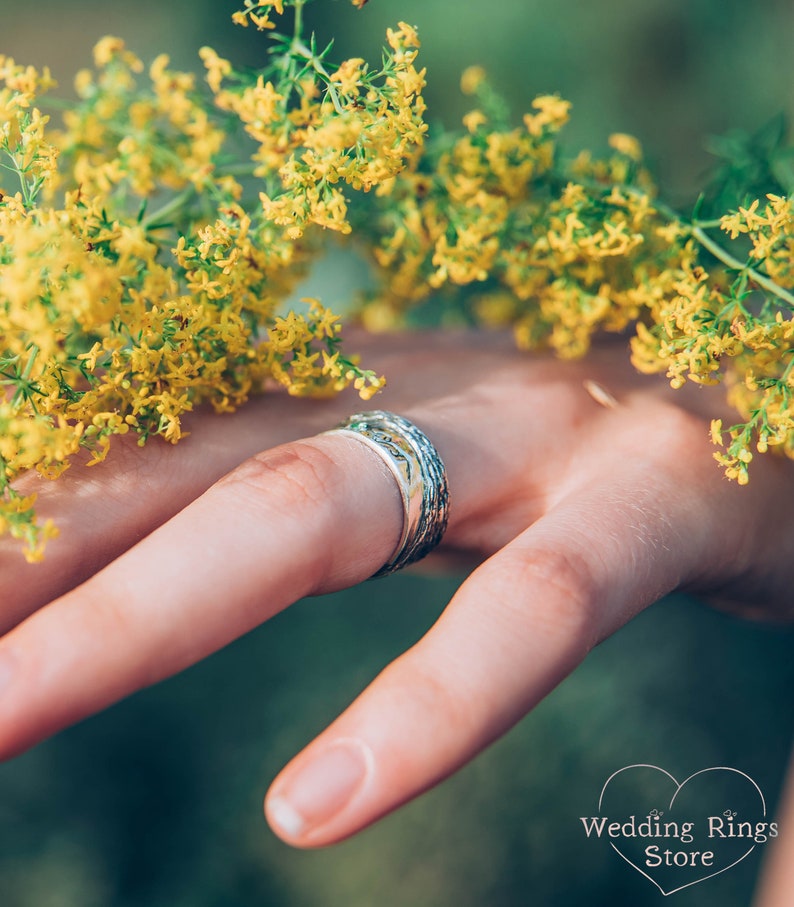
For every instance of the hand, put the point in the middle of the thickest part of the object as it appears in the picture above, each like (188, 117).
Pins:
(579, 514)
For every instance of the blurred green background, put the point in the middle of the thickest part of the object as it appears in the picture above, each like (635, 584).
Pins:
(158, 801)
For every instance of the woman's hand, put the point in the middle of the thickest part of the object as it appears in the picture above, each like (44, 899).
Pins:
(584, 491)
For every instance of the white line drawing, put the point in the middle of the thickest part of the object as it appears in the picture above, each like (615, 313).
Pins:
(716, 768)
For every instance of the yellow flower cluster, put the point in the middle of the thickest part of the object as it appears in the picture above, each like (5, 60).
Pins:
(317, 130)
(557, 255)
(258, 12)
(563, 249)
(771, 232)
(24, 149)
(120, 136)
(712, 327)
(135, 284)
(138, 280)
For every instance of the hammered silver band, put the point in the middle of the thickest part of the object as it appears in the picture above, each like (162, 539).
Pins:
(421, 478)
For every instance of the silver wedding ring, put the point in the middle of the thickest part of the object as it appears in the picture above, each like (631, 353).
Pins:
(420, 475)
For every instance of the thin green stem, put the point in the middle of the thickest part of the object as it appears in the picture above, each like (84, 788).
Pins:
(708, 224)
(297, 30)
(698, 230)
(5, 484)
(34, 352)
(26, 193)
(157, 218)
(727, 259)
(59, 103)
(241, 169)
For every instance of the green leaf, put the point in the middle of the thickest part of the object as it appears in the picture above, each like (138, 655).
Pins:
(782, 166)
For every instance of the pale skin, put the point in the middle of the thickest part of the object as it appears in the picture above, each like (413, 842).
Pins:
(581, 493)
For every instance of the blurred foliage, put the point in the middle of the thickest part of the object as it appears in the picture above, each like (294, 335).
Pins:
(673, 72)
(158, 801)
(749, 165)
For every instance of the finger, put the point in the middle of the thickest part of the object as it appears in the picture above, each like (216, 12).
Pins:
(776, 886)
(105, 509)
(311, 516)
(513, 631)
(320, 513)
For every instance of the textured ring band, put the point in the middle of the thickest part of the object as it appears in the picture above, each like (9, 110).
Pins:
(421, 478)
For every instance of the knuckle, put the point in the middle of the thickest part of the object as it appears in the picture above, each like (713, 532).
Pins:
(293, 486)
(296, 476)
(438, 690)
(567, 592)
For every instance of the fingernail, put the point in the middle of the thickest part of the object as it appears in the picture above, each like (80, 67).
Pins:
(320, 788)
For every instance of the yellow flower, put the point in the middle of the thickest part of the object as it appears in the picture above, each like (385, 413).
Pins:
(217, 68)
(404, 36)
(109, 49)
(261, 22)
(348, 75)
(474, 119)
(626, 144)
(552, 114)
(471, 79)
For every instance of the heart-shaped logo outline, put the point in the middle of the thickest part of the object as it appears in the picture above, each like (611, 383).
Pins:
(715, 768)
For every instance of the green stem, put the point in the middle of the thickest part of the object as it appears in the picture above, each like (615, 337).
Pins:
(708, 224)
(176, 204)
(698, 231)
(727, 259)
(241, 169)
(297, 30)
(34, 352)
(59, 103)
(27, 198)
